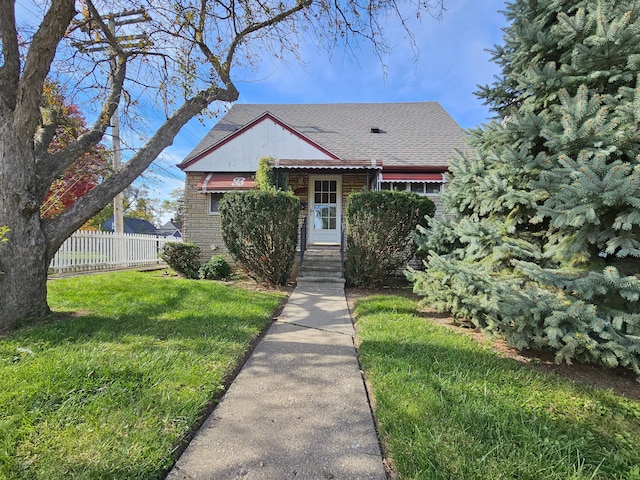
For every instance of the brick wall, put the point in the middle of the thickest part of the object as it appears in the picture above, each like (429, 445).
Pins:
(437, 200)
(352, 182)
(201, 227)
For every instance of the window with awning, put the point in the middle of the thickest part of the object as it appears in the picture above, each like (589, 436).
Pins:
(420, 183)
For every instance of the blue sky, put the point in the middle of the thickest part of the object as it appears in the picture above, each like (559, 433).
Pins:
(452, 60)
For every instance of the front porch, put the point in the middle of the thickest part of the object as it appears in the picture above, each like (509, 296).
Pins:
(323, 194)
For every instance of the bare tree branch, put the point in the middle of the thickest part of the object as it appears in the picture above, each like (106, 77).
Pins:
(59, 228)
(10, 70)
(36, 66)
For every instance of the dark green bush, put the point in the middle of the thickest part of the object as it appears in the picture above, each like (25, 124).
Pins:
(184, 258)
(260, 230)
(380, 233)
(217, 268)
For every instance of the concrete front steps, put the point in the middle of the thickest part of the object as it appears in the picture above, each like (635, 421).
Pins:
(321, 265)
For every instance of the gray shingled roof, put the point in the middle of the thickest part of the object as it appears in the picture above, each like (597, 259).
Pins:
(412, 134)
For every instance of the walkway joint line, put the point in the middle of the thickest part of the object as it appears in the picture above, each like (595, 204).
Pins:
(315, 328)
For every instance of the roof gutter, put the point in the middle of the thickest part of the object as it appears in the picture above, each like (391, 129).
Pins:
(415, 169)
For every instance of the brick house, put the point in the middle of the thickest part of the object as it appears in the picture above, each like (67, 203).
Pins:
(328, 152)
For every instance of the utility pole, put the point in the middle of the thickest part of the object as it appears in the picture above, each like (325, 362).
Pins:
(116, 20)
(126, 17)
(118, 204)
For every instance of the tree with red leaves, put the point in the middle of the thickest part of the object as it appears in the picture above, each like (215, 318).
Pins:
(86, 172)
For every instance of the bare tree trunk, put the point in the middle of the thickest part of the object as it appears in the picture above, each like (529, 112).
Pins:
(23, 285)
(23, 258)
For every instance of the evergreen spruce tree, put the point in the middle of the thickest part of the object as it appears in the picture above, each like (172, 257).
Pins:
(545, 245)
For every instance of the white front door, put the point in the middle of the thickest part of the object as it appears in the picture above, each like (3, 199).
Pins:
(325, 209)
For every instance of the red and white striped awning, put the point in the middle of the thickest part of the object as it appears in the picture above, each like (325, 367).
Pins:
(225, 182)
(413, 177)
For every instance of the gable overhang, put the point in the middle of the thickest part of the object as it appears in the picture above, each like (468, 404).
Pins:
(264, 117)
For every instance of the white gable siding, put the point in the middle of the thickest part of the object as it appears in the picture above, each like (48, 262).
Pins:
(267, 138)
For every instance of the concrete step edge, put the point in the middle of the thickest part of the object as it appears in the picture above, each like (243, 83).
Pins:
(312, 280)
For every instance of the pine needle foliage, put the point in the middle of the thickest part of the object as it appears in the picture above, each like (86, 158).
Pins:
(544, 246)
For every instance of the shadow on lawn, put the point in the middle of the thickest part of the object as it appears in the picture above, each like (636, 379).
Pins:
(166, 315)
(474, 414)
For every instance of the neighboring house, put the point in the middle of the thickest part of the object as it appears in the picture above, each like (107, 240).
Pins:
(132, 225)
(328, 151)
(170, 229)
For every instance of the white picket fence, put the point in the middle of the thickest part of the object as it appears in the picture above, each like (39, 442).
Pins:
(88, 250)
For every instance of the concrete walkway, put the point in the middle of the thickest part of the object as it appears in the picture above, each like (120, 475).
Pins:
(298, 409)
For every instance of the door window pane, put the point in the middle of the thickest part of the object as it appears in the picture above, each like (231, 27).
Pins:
(317, 218)
(324, 217)
(325, 191)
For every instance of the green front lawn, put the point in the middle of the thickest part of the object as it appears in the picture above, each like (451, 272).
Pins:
(451, 408)
(110, 391)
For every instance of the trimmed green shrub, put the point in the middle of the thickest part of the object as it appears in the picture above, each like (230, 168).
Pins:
(380, 231)
(184, 258)
(260, 230)
(217, 268)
